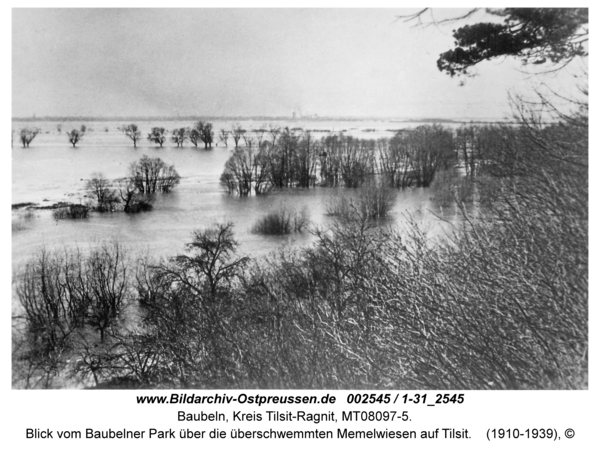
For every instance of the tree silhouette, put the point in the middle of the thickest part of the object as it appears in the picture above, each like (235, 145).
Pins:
(157, 135)
(27, 135)
(75, 136)
(132, 132)
(535, 35)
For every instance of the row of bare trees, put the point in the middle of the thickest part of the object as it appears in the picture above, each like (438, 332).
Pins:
(203, 133)
(28, 134)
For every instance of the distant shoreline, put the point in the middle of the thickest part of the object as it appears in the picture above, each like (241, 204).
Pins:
(253, 118)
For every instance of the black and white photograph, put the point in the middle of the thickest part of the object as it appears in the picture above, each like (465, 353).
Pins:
(299, 198)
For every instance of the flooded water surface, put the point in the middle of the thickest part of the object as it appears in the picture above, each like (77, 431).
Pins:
(51, 170)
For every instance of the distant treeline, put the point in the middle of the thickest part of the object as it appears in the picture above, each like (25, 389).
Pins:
(193, 118)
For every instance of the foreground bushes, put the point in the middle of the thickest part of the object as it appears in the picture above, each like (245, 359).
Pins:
(62, 296)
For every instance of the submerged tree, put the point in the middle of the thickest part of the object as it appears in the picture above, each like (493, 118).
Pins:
(239, 171)
(157, 135)
(100, 188)
(28, 134)
(133, 202)
(179, 136)
(395, 161)
(223, 136)
(431, 147)
(132, 132)
(194, 136)
(75, 136)
(237, 132)
(151, 175)
(207, 134)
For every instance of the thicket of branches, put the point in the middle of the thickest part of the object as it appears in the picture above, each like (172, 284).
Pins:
(64, 296)
(132, 194)
(289, 159)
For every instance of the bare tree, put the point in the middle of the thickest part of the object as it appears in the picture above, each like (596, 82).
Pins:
(248, 140)
(179, 136)
(212, 264)
(195, 136)
(100, 188)
(151, 175)
(262, 170)
(237, 132)
(157, 135)
(28, 134)
(239, 171)
(207, 133)
(223, 136)
(260, 133)
(75, 136)
(107, 283)
(395, 161)
(431, 147)
(132, 132)
(274, 132)
(127, 192)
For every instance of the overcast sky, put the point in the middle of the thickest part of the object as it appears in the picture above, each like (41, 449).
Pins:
(331, 62)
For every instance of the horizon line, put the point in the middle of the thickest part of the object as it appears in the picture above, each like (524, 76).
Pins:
(258, 117)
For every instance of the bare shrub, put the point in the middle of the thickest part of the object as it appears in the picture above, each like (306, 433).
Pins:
(76, 135)
(282, 221)
(71, 212)
(373, 201)
(28, 134)
(20, 220)
(61, 293)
